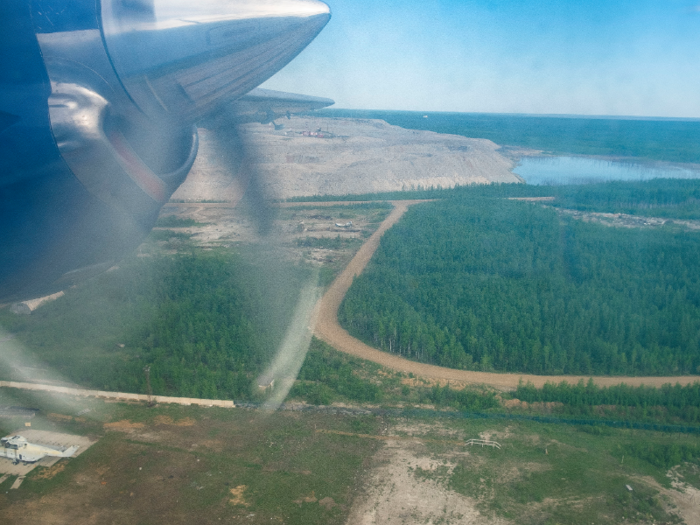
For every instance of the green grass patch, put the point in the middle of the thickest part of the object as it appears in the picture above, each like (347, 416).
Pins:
(327, 375)
(223, 465)
(665, 455)
(558, 474)
(282, 467)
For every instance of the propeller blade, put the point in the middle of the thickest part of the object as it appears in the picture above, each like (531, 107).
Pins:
(235, 150)
(238, 155)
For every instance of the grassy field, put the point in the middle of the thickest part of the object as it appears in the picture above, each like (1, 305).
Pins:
(171, 464)
(191, 465)
(562, 475)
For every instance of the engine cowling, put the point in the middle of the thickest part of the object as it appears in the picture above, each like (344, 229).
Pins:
(98, 102)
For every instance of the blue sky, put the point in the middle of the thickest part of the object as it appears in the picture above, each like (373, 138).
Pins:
(615, 57)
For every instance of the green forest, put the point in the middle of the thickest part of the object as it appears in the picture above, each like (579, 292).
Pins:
(484, 283)
(206, 323)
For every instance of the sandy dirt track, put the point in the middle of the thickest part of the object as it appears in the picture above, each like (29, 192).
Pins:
(329, 330)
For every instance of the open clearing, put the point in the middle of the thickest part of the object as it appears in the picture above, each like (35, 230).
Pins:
(181, 465)
(395, 494)
(324, 235)
(541, 474)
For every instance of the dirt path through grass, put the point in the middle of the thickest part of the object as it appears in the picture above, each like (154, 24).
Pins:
(329, 330)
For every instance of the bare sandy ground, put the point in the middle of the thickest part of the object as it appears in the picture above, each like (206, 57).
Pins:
(329, 330)
(685, 497)
(358, 156)
(395, 494)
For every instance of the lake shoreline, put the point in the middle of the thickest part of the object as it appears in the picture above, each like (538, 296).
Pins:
(537, 168)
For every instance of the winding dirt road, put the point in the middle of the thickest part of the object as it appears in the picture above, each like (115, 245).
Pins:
(329, 330)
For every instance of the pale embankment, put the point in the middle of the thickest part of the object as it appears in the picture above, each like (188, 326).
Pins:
(351, 156)
(329, 330)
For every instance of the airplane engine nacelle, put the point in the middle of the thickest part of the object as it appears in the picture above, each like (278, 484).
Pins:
(98, 101)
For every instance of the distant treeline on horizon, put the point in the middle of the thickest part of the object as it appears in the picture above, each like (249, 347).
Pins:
(672, 140)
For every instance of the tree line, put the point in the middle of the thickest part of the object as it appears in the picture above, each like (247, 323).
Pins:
(668, 403)
(668, 198)
(669, 140)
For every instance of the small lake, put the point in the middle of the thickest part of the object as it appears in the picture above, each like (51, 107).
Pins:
(583, 170)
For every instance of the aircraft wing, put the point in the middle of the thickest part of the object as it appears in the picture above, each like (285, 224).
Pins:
(266, 105)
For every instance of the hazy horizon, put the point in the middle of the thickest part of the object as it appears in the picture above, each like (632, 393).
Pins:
(496, 113)
(543, 57)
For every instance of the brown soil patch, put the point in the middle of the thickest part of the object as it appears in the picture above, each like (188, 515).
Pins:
(124, 424)
(237, 494)
(311, 498)
(63, 417)
(685, 497)
(50, 472)
(167, 420)
(328, 503)
(546, 406)
(329, 330)
(213, 444)
(429, 381)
